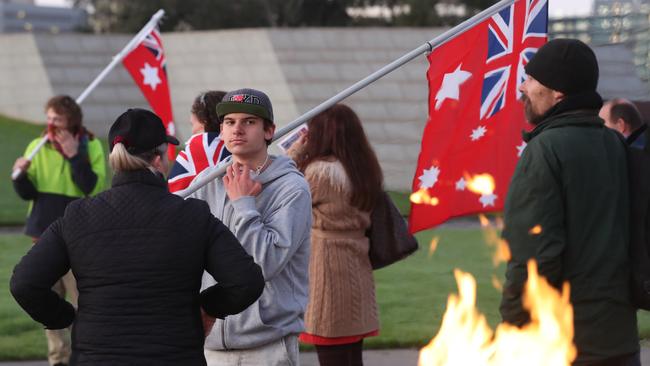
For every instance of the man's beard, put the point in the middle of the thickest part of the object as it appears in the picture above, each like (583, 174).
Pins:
(531, 116)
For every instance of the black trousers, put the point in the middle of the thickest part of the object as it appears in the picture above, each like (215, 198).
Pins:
(341, 355)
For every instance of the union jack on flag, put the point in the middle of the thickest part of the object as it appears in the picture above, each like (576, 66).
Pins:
(475, 118)
(146, 64)
(201, 151)
(153, 43)
(511, 44)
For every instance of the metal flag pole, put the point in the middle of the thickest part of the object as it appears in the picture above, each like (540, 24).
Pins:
(153, 22)
(429, 46)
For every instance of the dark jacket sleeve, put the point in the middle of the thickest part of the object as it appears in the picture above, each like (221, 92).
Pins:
(82, 173)
(239, 279)
(25, 188)
(33, 278)
(536, 201)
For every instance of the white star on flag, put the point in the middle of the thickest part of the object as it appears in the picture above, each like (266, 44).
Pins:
(150, 76)
(520, 149)
(478, 133)
(450, 88)
(429, 177)
(488, 199)
(461, 184)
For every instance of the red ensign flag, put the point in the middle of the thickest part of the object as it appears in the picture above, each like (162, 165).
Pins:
(146, 63)
(472, 140)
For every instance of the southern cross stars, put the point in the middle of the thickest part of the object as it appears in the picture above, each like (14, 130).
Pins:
(520, 149)
(450, 88)
(461, 184)
(478, 132)
(150, 76)
(488, 199)
(429, 177)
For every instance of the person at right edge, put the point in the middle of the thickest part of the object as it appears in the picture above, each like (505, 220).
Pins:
(572, 182)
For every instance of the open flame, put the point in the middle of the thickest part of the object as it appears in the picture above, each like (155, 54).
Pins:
(465, 338)
(492, 238)
(434, 245)
(422, 197)
(482, 184)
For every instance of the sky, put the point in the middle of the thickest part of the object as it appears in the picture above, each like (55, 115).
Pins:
(557, 8)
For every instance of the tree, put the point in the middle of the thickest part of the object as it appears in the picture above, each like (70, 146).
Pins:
(129, 16)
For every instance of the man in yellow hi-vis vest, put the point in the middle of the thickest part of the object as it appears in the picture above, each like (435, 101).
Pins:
(70, 165)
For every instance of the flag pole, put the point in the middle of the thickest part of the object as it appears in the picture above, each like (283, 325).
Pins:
(427, 47)
(153, 22)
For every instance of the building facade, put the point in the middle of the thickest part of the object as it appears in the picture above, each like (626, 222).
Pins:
(18, 16)
(613, 22)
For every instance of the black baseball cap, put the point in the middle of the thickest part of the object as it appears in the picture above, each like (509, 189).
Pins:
(139, 130)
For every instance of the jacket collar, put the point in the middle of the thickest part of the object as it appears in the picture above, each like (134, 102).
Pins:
(144, 176)
(637, 138)
(574, 110)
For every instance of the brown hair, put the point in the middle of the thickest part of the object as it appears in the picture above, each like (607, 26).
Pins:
(337, 132)
(205, 109)
(68, 107)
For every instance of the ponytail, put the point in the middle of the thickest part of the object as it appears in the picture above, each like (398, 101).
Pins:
(121, 160)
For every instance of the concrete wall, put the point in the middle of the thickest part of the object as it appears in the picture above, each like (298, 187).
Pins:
(297, 68)
(72, 61)
(24, 82)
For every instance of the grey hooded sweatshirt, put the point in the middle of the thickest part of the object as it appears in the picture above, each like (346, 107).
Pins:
(274, 228)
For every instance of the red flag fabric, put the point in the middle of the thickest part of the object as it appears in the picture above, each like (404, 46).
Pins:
(147, 65)
(475, 118)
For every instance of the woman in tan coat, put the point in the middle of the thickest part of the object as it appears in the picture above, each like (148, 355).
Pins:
(346, 181)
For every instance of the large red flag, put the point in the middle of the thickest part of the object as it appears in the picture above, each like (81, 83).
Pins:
(147, 65)
(475, 118)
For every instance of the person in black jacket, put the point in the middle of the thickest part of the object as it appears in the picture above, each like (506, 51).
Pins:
(138, 253)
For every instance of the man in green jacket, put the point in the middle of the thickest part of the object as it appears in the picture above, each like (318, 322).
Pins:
(572, 182)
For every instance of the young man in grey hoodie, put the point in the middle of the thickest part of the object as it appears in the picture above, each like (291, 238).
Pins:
(265, 201)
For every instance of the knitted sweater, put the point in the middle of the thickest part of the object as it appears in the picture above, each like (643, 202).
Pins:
(342, 290)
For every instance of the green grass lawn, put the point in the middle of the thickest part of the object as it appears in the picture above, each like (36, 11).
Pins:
(15, 137)
(20, 337)
(412, 294)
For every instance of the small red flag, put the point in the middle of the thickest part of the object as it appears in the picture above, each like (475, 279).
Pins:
(475, 118)
(147, 65)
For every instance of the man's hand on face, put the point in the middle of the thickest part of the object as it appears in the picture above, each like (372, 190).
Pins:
(69, 143)
(238, 182)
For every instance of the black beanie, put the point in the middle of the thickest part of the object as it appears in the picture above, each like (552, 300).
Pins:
(565, 65)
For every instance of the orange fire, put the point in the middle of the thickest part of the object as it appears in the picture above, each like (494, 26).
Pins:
(535, 230)
(496, 283)
(481, 184)
(465, 338)
(422, 197)
(434, 245)
(492, 238)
